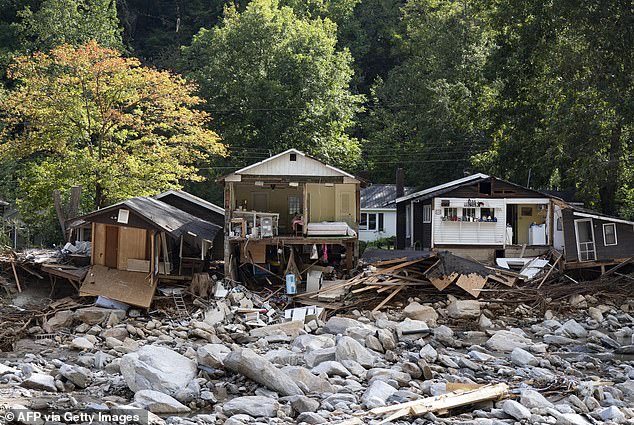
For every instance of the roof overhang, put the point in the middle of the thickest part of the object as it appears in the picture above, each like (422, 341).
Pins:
(602, 217)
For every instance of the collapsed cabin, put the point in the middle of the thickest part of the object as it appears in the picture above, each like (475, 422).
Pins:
(287, 209)
(137, 242)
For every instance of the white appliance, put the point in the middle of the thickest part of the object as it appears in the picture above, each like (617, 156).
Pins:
(266, 225)
(537, 234)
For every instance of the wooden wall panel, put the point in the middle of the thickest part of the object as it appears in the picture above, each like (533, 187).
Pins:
(99, 244)
(132, 244)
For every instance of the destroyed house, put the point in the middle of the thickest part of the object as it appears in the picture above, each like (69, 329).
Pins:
(200, 208)
(287, 208)
(477, 216)
(137, 242)
(588, 238)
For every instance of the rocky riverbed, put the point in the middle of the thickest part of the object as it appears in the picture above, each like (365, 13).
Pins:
(571, 365)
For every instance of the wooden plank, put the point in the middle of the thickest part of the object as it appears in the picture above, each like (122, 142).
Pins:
(15, 274)
(552, 267)
(387, 299)
(442, 282)
(367, 288)
(99, 242)
(120, 285)
(132, 245)
(472, 283)
(460, 386)
(399, 266)
(615, 268)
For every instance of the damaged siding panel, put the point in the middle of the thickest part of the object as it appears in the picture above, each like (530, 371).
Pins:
(624, 247)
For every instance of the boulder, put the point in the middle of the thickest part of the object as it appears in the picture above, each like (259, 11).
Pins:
(301, 404)
(377, 394)
(412, 329)
(81, 343)
(97, 315)
(573, 329)
(313, 342)
(291, 329)
(159, 369)
(338, 325)
(521, 357)
(532, 399)
(464, 309)
(255, 406)
(212, 355)
(506, 341)
(416, 311)
(260, 370)
(314, 357)
(80, 376)
(516, 410)
(595, 314)
(350, 349)
(61, 320)
(428, 353)
(40, 381)
(307, 381)
(612, 414)
(311, 418)
(157, 402)
(331, 368)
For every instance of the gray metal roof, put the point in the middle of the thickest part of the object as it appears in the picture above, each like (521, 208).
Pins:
(380, 196)
(170, 219)
(193, 199)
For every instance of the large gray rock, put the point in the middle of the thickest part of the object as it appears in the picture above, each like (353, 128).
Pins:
(159, 369)
(313, 342)
(314, 357)
(464, 309)
(308, 381)
(81, 343)
(331, 368)
(521, 357)
(291, 329)
(212, 355)
(516, 410)
(157, 402)
(350, 349)
(612, 414)
(377, 394)
(416, 311)
(428, 353)
(507, 341)
(301, 404)
(311, 418)
(97, 315)
(61, 320)
(256, 406)
(78, 375)
(260, 370)
(40, 381)
(412, 329)
(573, 329)
(338, 325)
(532, 399)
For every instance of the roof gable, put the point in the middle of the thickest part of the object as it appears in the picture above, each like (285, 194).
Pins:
(292, 163)
(440, 187)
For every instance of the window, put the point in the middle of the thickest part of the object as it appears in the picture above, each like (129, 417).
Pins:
(560, 225)
(487, 214)
(363, 224)
(451, 214)
(293, 157)
(469, 214)
(609, 234)
(427, 213)
(372, 222)
(381, 222)
(294, 206)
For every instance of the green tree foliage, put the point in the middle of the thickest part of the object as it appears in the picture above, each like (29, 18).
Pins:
(275, 81)
(431, 109)
(85, 115)
(566, 106)
(70, 22)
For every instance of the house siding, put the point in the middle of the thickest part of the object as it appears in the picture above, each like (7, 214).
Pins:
(401, 240)
(389, 225)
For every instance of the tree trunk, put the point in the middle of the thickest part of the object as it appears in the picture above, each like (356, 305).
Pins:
(98, 194)
(607, 192)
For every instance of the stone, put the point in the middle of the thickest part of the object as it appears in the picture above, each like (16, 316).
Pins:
(282, 357)
(573, 329)
(307, 381)
(61, 320)
(374, 344)
(157, 402)
(428, 353)
(331, 368)
(350, 349)
(97, 315)
(159, 369)
(301, 404)
(412, 329)
(291, 329)
(444, 334)
(40, 381)
(577, 300)
(484, 322)
(516, 410)
(255, 406)
(313, 342)
(464, 309)
(338, 325)
(416, 311)
(532, 399)
(387, 339)
(80, 376)
(506, 341)
(314, 357)
(311, 418)
(595, 314)
(612, 414)
(403, 379)
(377, 394)
(260, 370)
(81, 343)
(521, 357)
(212, 355)
(118, 333)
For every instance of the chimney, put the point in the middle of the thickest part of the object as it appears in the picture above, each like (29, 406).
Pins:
(400, 188)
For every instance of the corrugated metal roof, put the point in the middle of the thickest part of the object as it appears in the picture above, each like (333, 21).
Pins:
(164, 216)
(380, 196)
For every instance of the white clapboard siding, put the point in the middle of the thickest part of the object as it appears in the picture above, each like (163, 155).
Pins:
(469, 233)
(281, 165)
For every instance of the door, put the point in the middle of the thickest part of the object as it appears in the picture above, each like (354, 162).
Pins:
(585, 240)
(112, 246)
(511, 220)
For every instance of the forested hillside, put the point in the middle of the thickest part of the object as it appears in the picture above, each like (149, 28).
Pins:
(137, 96)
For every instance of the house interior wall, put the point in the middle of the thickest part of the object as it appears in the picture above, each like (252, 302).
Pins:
(538, 215)
(267, 199)
(99, 244)
(321, 202)
(132, 245)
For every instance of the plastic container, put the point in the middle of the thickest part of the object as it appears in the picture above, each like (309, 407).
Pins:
(291, 284)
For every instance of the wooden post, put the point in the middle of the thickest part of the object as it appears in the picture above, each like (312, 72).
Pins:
(59, 209)
(228, 213)
(551, 223)
(152, 259)
(305, 215)
(180, 256)
(92, 244)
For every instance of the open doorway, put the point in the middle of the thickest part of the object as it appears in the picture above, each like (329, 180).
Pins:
(511, 220)
(585, 240)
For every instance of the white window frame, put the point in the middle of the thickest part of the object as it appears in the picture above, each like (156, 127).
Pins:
(367, 222)
(361, 226)
(616, 240)
(593, 243)
(427, 213)
(408, 220)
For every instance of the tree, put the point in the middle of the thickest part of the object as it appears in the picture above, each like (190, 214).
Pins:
(274, 81)
(70, 21)
(86, 115)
